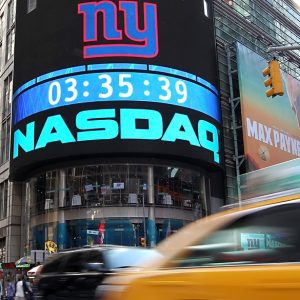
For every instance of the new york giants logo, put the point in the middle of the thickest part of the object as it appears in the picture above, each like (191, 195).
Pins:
(132, 41)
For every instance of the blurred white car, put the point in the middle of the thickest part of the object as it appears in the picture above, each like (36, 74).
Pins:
(34, 271)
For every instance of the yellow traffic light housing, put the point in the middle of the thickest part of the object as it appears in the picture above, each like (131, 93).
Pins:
(274, 81)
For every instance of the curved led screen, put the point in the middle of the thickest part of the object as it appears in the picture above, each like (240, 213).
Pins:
(112, 79)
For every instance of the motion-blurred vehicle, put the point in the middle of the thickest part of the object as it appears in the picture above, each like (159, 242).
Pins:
(246, 253)
(32, 275)
(33, 272)
(75, 274)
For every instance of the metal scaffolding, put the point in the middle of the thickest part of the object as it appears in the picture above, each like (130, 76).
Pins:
(235, 104)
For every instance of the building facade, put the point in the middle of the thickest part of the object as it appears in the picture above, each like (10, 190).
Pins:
(256, 25)
(10, 195)
(79, 201)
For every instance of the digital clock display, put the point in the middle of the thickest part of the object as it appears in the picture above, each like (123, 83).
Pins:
(133, 83)
(114, 79)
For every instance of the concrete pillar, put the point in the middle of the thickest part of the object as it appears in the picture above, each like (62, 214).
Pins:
(61, 226)
(151, 227)
(29, 194)
(15, 237)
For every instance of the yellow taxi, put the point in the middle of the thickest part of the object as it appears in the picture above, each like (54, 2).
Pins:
(250, 252)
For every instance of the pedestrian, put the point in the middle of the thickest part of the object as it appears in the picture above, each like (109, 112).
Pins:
(27, 289)
(1, 289)
(23, 290)
(19, 289)
(10, 290)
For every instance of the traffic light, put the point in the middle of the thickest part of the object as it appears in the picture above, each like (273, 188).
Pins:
(274, 81)
(142, 242)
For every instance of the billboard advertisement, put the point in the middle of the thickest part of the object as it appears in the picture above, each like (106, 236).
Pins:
(109, 79)
(271, 126)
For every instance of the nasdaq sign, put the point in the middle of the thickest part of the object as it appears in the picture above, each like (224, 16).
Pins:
(114, 79)
(101, 125)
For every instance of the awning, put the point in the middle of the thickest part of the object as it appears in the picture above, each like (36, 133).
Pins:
(24, 262)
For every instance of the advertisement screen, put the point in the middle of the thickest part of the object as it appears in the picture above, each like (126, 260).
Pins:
(271, 126)
(110, 79)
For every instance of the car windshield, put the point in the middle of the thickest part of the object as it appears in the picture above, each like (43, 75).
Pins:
(197, 231)
(133, 257)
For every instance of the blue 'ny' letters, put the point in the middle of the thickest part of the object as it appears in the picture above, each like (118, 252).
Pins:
(145, 41)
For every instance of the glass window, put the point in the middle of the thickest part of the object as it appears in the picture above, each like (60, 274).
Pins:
(133, 257)
(267, 20)
(268, 236)
(93, 261)
(10, 35)
(93, 256)
(1, 26)
(74, 262)
(2, 249)
(80, 261)
(242, 7)
(5, 140)
(1, 37)
(205, 7)
(10, 41)
(86, 190)
(51, 191)
(121, 185)
(7, 96)
(31, 5)
(11, 14)
(3, 199)
(53, 265)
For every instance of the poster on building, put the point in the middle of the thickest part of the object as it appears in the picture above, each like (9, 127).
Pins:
(271, 126)
(51, 247)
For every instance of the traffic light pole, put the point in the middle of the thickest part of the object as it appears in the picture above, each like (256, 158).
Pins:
(282, 48)
(272, 72)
